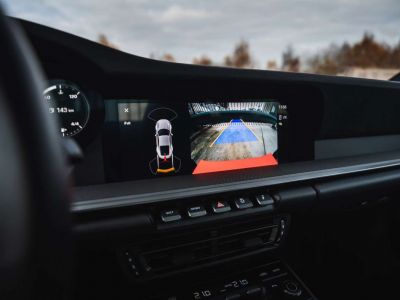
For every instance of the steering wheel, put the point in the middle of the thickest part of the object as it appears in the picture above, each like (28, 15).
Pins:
(35, 240)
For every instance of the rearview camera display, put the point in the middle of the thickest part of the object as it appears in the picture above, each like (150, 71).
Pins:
(233, 135)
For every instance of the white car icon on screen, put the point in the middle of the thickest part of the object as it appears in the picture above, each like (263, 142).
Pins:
(164, 146)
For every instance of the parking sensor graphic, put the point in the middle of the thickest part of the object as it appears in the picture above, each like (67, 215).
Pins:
(165, 162)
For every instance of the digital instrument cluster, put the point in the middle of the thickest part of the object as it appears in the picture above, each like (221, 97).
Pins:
(132, 138)
(79, 110)
(70, 104)
(156, 138)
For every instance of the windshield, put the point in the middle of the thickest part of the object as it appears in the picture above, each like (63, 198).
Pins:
(163, 132)
(358, 38)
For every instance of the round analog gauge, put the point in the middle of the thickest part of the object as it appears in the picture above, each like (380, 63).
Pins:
(70, 105)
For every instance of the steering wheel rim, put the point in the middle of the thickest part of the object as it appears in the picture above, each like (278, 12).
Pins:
(35, 242)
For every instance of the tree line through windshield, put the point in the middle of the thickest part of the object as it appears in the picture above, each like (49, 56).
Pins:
(368, 58)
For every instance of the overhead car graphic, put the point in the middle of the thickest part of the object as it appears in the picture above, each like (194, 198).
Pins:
(165, 161)
(164, 139)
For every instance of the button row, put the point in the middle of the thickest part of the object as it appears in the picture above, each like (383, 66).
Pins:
(221, 206)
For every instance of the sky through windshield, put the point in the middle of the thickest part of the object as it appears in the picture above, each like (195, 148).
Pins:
(274, 34)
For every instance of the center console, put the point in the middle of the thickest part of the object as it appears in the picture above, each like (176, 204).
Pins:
(223, 247)
(200, 232)
(218, 260)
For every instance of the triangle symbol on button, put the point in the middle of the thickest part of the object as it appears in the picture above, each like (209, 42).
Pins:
(219, 204)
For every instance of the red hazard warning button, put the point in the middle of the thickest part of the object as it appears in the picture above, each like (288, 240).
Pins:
(221, 206)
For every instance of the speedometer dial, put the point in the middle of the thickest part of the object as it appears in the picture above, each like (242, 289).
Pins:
(71, 106)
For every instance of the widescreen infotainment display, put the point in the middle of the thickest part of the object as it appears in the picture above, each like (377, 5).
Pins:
(145, 139)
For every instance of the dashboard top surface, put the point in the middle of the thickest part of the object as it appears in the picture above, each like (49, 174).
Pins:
(320, 108)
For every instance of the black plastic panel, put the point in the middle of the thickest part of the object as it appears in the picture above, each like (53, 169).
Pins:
(358, 190)
(296, 199)
(334, 148)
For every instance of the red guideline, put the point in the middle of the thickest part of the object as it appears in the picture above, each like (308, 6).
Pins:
(205, 166)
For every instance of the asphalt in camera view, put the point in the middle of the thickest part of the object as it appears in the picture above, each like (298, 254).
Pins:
(237, 139)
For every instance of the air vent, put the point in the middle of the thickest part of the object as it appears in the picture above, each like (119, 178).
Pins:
(197, 248)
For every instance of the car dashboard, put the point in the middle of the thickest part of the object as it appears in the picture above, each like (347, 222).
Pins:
(188, 170)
